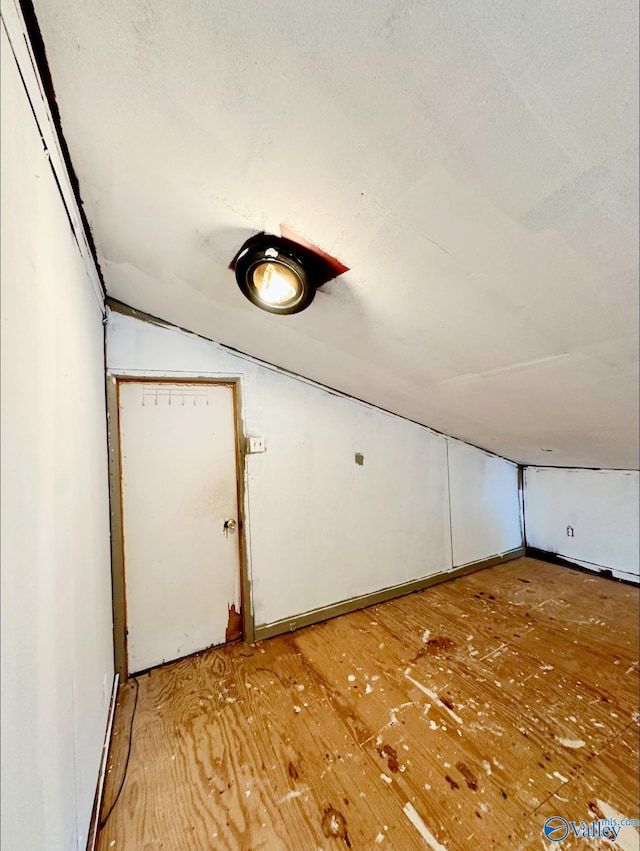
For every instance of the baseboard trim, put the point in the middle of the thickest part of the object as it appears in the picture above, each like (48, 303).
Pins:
(554, 558)
(327, 612)
(94, 827)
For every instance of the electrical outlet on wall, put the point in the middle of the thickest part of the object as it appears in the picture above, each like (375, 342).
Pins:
(255, 444)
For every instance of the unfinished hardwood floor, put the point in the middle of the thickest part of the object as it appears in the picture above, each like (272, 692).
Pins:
(460, 717)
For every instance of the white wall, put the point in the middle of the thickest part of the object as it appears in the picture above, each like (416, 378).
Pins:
(57, 667)
(602, 508)
(321, 528)
(324, 529)
(485, 504)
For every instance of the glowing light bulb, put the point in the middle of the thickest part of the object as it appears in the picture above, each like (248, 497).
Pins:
(275, 284)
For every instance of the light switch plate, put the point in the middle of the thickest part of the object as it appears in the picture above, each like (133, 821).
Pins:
(255, 444)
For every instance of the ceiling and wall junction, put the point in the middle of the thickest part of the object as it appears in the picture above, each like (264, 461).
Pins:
(475, 166)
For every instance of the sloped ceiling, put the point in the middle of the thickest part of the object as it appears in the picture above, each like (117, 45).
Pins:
(475, 164)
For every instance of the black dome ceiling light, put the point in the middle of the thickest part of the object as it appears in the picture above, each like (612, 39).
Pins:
(280, 275)
(273, 275)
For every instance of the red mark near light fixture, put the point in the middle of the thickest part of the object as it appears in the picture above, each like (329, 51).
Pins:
(331, 263)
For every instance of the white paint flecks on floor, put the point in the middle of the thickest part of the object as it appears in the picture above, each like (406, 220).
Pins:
(410, 811)
(434, 697)
(571, 743)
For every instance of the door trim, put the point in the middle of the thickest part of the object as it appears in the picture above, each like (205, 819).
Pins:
(114, 380)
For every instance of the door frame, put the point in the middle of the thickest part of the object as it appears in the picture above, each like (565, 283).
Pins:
(114, 380)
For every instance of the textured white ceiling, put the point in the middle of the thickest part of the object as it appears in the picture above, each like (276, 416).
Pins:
(475, 164)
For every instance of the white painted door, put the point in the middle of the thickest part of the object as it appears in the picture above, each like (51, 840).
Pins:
(179, 488)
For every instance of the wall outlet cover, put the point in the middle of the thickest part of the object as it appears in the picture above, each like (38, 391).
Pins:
(255, 444)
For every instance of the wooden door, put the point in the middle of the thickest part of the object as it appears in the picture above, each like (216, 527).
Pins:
(180, 519)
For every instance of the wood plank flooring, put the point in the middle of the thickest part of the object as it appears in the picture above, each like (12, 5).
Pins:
(460, 717)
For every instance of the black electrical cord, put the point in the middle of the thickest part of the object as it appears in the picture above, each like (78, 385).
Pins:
(126, 765)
